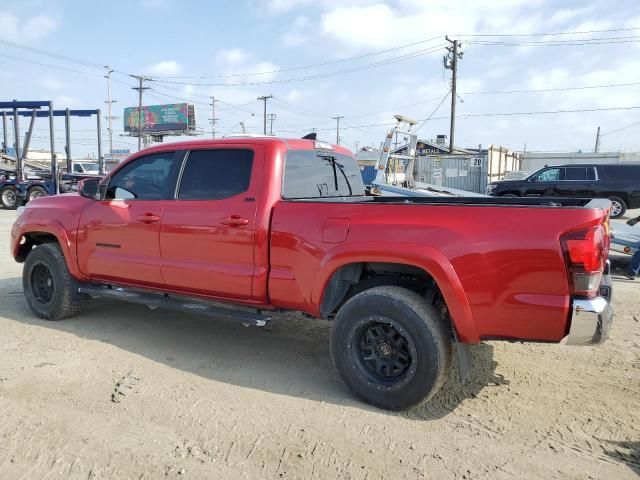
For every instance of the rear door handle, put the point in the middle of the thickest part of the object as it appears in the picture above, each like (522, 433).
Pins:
(148, 218)
(235, 221)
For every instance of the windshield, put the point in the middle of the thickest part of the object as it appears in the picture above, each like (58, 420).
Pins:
(89, 166)
(320, 174)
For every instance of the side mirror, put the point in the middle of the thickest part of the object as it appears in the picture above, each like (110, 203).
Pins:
(88, 188)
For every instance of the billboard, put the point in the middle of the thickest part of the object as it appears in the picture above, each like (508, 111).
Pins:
(174, 117)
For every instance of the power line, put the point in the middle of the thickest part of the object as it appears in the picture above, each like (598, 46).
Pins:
(558, 43)
(50, 66)
(620, 129)
(559, 89)
(50, 54)
(548, 34)
(433, 113)
(547, 112)
(303, 67)
(312, 77)
(492, 114)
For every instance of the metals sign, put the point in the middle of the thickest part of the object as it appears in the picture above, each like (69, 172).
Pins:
(159, 118)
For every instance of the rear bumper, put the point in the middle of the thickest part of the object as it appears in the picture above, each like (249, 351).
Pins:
(591, 318)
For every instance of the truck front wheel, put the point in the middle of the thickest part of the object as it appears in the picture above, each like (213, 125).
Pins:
(390, 347)
(49, 289)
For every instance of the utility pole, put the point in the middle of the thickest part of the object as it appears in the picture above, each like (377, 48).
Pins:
(109, 117)
(140, 88)
(264, 99)
(272, 117)
(337, 119)
(451, 63)
(597, 149)
(5, 146)
(213, 116)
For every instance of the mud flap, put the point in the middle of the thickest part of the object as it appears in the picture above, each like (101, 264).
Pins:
(464, 358)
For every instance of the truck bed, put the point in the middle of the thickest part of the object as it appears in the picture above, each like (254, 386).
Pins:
(500, 261)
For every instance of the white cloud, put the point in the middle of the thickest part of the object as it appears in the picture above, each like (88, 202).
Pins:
(38, 27)
(294, 96)
(298, 33)
(30, 29)
(52, 83)
(365, 24)
(266, 70)
(165, 67)
(8, 25)
(282, 6)
(231, 56)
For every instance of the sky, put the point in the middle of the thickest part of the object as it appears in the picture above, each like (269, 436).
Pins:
(360, 59)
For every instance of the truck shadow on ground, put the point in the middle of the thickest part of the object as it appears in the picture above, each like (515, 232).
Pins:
(291, 358)
(625, 452)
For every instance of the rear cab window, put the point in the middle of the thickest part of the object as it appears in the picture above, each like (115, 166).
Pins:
(310, 174)
(215, 174)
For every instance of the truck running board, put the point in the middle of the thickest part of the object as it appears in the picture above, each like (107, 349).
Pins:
(173, 302)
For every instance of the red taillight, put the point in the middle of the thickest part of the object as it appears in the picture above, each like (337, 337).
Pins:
(586, 253)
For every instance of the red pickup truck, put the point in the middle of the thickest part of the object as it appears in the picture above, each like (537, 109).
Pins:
(245, 227)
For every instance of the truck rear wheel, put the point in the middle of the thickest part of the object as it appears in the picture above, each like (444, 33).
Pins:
(9, 198)
(49, 289)
(36, 192)
(390, 347)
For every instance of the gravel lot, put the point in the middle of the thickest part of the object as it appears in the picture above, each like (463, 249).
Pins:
(125, 392)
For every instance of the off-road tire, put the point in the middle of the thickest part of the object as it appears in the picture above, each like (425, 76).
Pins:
(6, 194)
(405, 314)
(619, 209)
(46, 265)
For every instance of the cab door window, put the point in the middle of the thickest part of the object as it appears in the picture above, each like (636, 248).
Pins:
(147, 178)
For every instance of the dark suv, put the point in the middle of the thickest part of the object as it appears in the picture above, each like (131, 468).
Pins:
(618, 183)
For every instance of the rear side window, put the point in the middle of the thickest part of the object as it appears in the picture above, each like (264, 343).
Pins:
(320, 174)
(147, 178)
(216, 174)
(575, 173)
(630, 173)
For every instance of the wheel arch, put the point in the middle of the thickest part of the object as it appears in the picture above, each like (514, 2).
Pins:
(47, 231)
(349, 263)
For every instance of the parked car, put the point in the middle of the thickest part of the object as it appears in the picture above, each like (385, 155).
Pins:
(619, 183)
(86, 168)
(269, 224)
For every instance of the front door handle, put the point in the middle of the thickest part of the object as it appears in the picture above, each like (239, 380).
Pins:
(235, 221)
(148, 218)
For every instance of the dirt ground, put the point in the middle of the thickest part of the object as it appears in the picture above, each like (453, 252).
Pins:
(123, 392)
